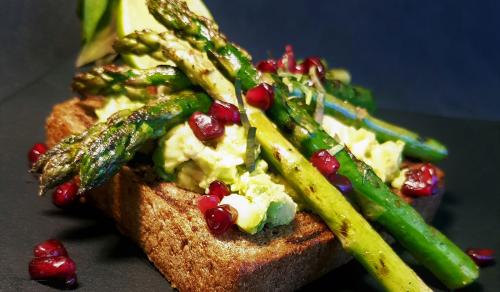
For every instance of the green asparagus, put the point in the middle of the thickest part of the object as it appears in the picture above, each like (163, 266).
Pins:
(430, 247)
(134, 83)
(355, 234)
(100, 152)
(415, 146)
(433, 249)
(61, 162)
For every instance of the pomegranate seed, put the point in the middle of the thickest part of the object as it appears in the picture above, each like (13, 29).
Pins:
(232, 211)
(288, 62)
(60, 267)
(225, 113)
(421, 181)
(36, 151)
(316, 62)
(205, 127)
(341, 182)
(481, 256)
(219, 189)
(267, 66)
(50, 248)
(219, 220)
(326, 163)
(206, 202)
(66, 194)
(261, 96)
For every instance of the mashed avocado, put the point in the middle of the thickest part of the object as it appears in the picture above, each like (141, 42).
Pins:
(220, 163)
(385, 158)
(114, 104)
(259, 187)
(258, 199)
(251, 215)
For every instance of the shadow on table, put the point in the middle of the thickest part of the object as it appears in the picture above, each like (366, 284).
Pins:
(93, 225)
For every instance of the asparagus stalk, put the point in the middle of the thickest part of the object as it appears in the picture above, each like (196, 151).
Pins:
(429, 246)
(415, 146)
(355, 234)
(134, 83)
(432, 248)
(61, 162)
(427, 149)
(100, 152)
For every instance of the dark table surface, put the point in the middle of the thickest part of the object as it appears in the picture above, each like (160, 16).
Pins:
(470, 213)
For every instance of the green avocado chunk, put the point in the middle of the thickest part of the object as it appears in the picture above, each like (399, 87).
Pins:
(251, 215)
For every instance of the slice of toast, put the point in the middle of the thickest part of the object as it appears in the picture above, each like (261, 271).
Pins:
(166, 223)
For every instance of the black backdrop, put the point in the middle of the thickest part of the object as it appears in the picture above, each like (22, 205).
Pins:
(438, 57)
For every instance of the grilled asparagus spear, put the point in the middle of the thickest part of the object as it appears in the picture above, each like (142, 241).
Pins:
(99, 153)
(429, 246)
(415, 146)
(355, 233)
(134, 83)
(433, 249)
(62, 161)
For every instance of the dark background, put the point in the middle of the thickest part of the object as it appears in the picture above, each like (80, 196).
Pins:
(438, 57)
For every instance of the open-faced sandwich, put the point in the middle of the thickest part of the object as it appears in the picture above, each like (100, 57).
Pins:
(232, 176)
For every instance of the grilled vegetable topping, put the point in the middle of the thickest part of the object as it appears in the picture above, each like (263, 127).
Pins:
(355, 234)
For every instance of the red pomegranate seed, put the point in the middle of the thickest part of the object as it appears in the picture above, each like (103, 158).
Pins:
(36, 151)
(326, 163)
(205, 127)
(421, 181)
(206, 202)
(267, 66)
(341, 182)
(60, 267)
(219, 220)
(481, 256)
(288, 62)
(225, 113)
(232, 211)
(50, 248)
(261, 96)
(219, 189)
(316, 62)
(66, 194)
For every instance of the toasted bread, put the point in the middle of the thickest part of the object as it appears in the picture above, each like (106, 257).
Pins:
(166, 223)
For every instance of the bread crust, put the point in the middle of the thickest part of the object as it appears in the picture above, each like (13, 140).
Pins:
(165, 222)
